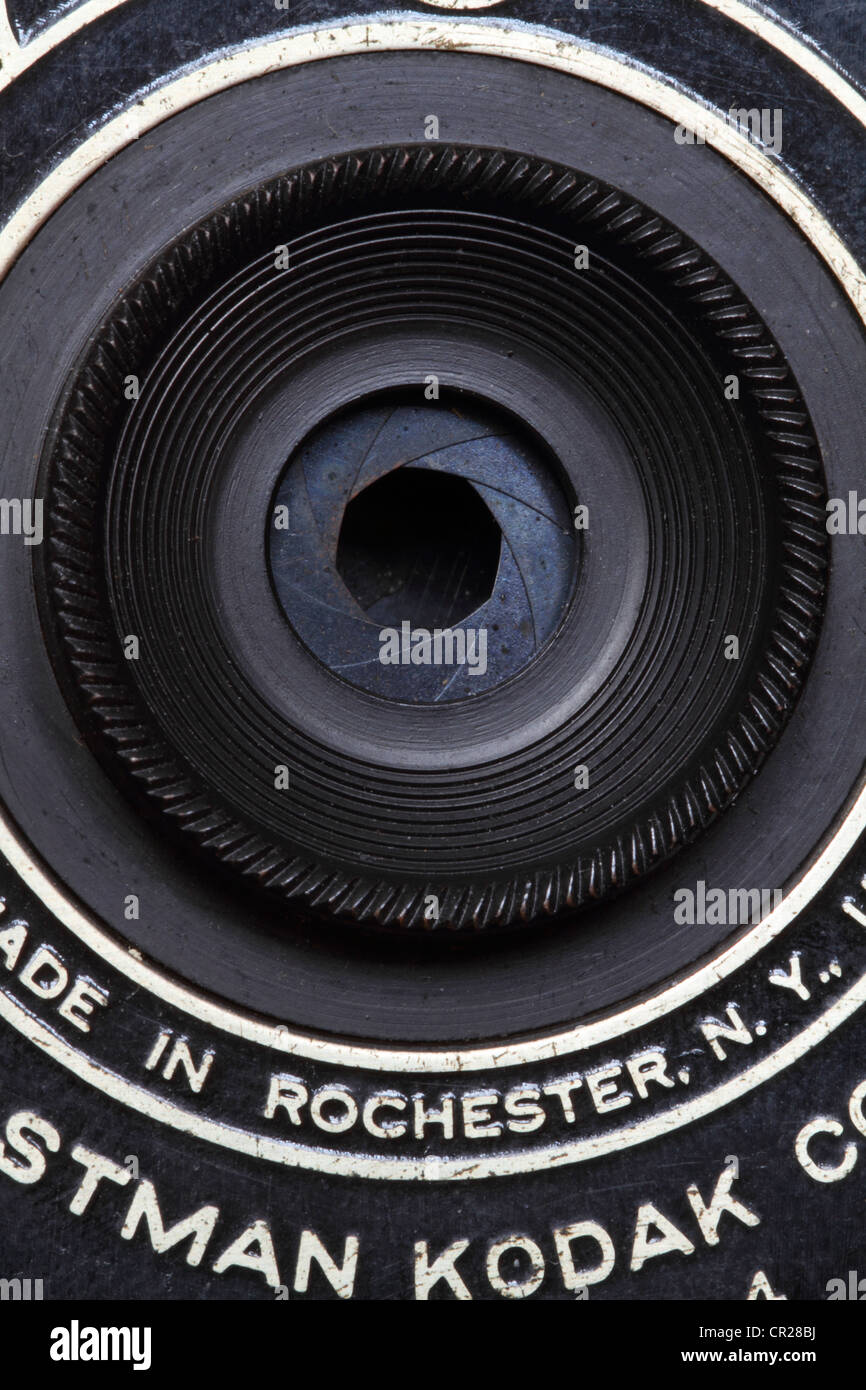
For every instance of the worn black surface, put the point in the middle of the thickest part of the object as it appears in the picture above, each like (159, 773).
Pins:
(724, 514)
(809, 1232)
(300, 974)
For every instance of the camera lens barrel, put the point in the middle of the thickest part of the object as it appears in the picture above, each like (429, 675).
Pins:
(622, 731)
(431, 651)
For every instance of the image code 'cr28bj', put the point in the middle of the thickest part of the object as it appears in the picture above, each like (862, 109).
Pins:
(432, 516)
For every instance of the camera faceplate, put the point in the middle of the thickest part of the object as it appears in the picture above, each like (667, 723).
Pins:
(744, 974)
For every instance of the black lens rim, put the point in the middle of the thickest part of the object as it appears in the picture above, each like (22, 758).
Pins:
(436, 989)
(510, 841)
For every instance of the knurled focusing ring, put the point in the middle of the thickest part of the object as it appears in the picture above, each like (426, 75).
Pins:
(470, 243)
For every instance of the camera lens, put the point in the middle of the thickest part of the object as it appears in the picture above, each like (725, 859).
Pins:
(424, 553)
(431, 653)
(559, 577)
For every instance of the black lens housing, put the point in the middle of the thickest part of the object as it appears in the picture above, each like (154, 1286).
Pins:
(718, 501)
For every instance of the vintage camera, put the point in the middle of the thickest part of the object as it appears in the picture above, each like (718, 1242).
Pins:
(432, 511)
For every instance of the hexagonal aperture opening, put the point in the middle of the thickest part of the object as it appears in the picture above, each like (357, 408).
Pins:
(419, 545)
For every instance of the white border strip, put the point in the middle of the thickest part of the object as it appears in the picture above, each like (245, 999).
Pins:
(280, 1038)
(16, 58)
(773, 30)
(579, 60)
(495, 38)
(432, 1169)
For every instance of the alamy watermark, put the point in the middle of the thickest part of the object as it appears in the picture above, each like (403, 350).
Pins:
(854, 1288)
(421, 646)
(846, 516)
(22, 516)
(77, 1343)
(21, 1290)
(763, 126)
(702, 906)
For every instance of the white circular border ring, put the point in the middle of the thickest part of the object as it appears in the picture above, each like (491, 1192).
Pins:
(543, 48)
